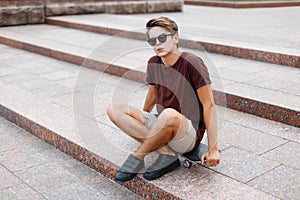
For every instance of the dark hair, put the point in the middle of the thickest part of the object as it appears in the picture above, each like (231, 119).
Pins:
(163, 22)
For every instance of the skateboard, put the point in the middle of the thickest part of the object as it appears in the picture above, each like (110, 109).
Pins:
(190, 159)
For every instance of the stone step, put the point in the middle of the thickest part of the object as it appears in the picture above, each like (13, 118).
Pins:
(251, 34)
(64, 104)
(25, 163)
(58, 7)
(266, 90)
(35, 11)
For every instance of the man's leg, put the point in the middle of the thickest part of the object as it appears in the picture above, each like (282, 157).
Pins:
(128, 119)
(169, 125)
(131, 121)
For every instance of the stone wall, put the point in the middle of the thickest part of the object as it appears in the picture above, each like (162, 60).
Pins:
(21, 2)
(14, 12)
(54, 7)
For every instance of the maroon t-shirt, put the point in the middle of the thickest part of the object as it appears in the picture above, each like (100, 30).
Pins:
(176, 87)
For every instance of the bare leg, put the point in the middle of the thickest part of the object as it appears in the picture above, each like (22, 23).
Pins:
(169, 125)
(130, 120)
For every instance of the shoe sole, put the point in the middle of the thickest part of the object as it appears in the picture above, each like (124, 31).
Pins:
(123, 181)
(165, 171)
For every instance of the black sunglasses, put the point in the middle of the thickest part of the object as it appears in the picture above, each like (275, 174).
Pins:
(161, 38)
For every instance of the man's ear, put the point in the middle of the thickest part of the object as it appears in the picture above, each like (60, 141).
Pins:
(176, 37)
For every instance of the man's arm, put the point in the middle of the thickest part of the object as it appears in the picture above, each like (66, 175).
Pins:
(210, 118)
(150, 99)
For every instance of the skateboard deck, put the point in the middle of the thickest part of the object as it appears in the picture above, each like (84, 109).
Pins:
(190, 159)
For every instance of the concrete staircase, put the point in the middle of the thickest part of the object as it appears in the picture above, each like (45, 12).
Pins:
(59, 87)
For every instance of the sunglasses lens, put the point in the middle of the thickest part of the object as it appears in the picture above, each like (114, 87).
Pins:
(152, 41)
(162, 38)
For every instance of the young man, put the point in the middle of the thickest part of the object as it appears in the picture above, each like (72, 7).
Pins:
(179, 86)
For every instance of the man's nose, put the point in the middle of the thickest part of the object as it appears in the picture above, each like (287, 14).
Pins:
(157, 42)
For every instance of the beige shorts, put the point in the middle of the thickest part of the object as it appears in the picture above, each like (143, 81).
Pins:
(181, 145)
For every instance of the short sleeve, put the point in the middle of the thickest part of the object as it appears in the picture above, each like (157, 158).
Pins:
(198, 72)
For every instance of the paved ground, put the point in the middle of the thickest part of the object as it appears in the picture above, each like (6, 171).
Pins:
(32, 169)
(260, 158)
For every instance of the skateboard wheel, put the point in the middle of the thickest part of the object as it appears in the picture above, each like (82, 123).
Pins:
(187, 164)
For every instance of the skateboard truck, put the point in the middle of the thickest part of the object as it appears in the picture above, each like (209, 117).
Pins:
(193, 158)
(189, 163)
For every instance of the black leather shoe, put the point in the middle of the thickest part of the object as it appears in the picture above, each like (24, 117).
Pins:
(163, 165)
(131, 167)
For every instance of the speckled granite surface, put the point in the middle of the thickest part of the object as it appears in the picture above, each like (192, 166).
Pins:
(251, 34)
(71, 117)
(238, 88)
(25, 163)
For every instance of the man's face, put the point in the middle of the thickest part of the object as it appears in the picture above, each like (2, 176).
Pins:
(163, 48)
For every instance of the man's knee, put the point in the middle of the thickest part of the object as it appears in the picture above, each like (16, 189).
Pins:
(172, 117)
(113, 110)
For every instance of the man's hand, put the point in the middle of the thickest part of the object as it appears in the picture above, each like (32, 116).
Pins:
(212, 158)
